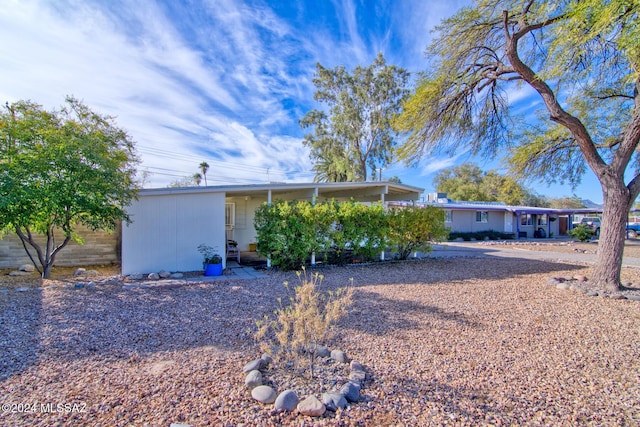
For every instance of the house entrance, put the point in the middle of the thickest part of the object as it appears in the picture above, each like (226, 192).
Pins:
(563, 225)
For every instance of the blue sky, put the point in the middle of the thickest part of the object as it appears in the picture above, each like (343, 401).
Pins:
(222, 81)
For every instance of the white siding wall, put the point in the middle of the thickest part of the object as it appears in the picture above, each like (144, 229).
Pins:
(173, 227)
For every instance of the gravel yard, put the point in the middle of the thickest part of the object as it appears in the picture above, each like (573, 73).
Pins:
(444, 341)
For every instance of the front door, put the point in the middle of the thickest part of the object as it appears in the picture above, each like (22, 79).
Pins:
(508, 222)
(563, 225)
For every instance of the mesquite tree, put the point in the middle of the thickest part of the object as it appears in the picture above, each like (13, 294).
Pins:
(580, 58)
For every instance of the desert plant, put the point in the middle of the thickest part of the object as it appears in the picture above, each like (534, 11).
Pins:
(414, 229)
(359, 229)
(582, 232)
(299, 328)
(285, 235)
(210, 254)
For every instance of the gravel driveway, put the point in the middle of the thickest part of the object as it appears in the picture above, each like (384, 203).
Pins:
(445, 342)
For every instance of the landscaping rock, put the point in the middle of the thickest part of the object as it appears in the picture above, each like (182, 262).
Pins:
(91, 273)
(356, 366)
(333, 401)
(153, 276)
(563, 285)
(164, 274)
(253, 379)
(264, 394)
(580, 278)
(29, 268)
(136, 276)
(287, 401)
(321, 351)
(266, 359)
(254, 365)
(357, 376)
(20, 273)
(312, 407)
(176, 276)
(351, 391)
(339, 356)
(79, 272)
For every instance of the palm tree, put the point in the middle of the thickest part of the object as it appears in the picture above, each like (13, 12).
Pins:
(197, 178)
(204, 167)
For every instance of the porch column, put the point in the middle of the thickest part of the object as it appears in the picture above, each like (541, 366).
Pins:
(313, 202)
(386, 189)
(268, 203)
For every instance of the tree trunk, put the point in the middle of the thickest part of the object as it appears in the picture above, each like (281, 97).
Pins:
(363, 170)
(606, 273)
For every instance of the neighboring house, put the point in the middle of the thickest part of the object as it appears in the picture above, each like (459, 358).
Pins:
(170, 223)
(521, 221)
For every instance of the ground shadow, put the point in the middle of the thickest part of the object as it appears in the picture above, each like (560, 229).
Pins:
(20, 325)
(116, 323)
(69, 323)
(377, 315)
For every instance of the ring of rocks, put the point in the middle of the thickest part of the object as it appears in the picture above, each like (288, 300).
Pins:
(288, 399)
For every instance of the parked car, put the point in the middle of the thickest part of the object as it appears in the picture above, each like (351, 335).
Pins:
(593, 223)
(633, 230)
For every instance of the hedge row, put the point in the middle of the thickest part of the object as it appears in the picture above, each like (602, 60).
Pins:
(481, 235)
(289, 232)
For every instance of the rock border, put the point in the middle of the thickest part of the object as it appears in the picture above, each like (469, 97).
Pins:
(580, 284)
(289, 401)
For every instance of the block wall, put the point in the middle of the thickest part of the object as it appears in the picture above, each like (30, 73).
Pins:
(100, 248)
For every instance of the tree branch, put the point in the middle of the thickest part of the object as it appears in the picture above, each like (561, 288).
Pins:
(557, 113)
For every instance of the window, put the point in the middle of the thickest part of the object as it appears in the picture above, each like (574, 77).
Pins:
(482, 216)
(525, 219)
(542, 219)
(448, 216)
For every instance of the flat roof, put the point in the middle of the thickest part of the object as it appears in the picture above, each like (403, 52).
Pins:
(370, 190)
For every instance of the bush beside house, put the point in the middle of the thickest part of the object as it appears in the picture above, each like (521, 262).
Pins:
(289, 232)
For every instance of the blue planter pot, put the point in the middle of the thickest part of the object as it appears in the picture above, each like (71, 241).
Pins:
(213, 270)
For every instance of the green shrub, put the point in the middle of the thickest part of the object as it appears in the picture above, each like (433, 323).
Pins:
(359, 230)
(581, 232)
(481, 235)
(414, 229)
(285, 234)
(289, 232)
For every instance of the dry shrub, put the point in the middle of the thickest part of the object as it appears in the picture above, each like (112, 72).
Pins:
(299, 328)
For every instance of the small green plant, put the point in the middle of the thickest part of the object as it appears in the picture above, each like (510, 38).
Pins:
(210, 254)
(300, 327)
(582, 232)
(415, 229)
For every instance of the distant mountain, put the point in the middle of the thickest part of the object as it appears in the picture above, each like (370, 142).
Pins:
(591, 205)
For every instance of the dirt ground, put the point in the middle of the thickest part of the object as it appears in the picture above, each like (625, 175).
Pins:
(464, 342)
(58, 275)
(631, 249)
(61, 275)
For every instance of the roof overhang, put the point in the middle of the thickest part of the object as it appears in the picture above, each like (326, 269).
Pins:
(359, 191)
